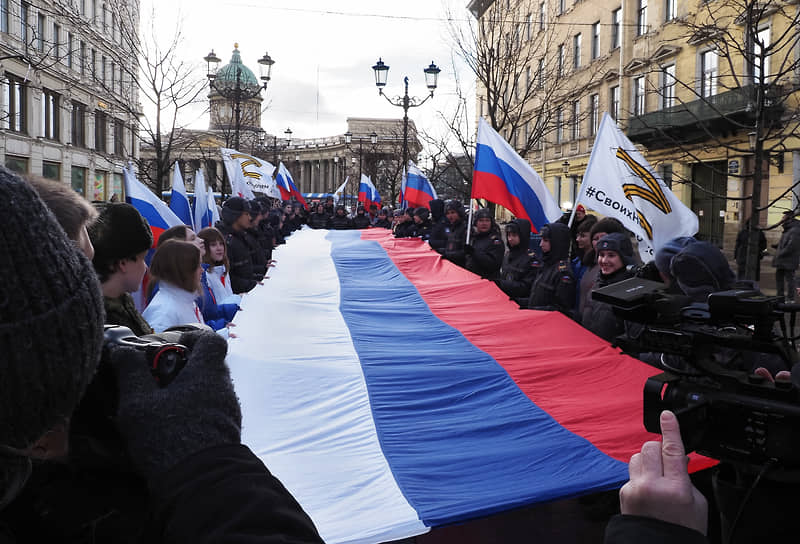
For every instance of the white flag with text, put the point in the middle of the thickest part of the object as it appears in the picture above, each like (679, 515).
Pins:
(249, 174)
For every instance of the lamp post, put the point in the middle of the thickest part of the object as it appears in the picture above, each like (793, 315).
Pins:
(348, 139)
(406, 102)
(235, 90)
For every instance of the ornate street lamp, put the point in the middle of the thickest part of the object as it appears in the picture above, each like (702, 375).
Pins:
(348, 139)
(431, 78)
(237, 90)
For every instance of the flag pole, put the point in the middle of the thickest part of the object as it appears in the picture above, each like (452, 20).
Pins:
(469, 221)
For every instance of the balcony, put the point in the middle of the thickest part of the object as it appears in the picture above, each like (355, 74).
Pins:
(692, 122)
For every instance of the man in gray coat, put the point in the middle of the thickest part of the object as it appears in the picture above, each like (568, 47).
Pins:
(787, 257)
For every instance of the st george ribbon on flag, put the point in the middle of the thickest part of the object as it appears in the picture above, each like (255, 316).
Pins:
(287, 187)
(503, 177)
(417, 190)
(620, 183)
(179, 199)
(249, 174)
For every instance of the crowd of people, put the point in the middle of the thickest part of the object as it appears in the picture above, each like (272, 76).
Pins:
(183, 475)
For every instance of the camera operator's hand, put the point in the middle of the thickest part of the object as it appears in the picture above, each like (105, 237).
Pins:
(198, 410)
(659, 485)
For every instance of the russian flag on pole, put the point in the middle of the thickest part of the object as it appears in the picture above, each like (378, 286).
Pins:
(202, 215)
(179, 199)
(152, 208)
(503, 177)
(287, 187)
(418, 190)
(367, 193)
(428, 412)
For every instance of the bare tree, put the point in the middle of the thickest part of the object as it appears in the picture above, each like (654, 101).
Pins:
(744, 100)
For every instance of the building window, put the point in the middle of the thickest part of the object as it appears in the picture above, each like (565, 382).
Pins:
(638, 95)
(24, 14)
(595, 40)
(542, 15)
(560, 61)
(562, 6)
(78, 180)
(666, 174)
(14, 104)
(4, 16)
(119, 138)
(540, 74)
(529, 27)
(57, 41)
(103, 79)
(100, 131)
(613, 99)
(527, 79)
(709, 72)
(576, 124)
(105, 18)
(40, 22)
(576, 51)
(113, 27)
(760, 58)
(559, 126)
(641, 17)
(83, 60)
(51, 170)
(70, 57)
(17, 164)
(616, 27)
(113, 77)
(78, 124)
(93, 67)
(668, 86)
(670, 10)
(50, 114)
(594, 114)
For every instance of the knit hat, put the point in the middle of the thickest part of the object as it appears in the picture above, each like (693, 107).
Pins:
(666, 252)
(580, 208)
(700, 269)
(620, 244)
(119, 232)
(422, 213)
(483, 213)
(454, 205)
(51, 317)
(233, 208)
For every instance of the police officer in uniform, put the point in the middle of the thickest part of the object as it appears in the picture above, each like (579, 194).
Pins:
(485, 253)
(235, 220)
(518, 271)
(554, 286)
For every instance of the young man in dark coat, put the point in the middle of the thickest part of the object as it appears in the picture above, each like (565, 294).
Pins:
(405, 228)
(340, 221)
(554, 287)
(319, 219)
(361, 220)
(234, 222)
(456, 231)
(518, 271)
(740, 251)
(438, 237)
(383, 219)
(486, 250)
(422, 224)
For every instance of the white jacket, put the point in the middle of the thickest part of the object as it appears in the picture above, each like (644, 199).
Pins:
(222, 290)
(172, 306)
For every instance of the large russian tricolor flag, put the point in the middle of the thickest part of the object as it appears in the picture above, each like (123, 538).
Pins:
(367, 193)
(417, 190)
(503, 177)
(152, 208)
(393, 392)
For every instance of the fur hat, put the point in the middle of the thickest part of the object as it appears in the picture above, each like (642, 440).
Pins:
(119, 232)
(51, 317)
(620, 244)
(422, 213)
(483, 213)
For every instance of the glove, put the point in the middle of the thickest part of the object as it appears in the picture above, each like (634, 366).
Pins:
(198, 410)
(468, 249)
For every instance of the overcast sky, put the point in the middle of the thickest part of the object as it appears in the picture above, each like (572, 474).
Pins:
(323, 52)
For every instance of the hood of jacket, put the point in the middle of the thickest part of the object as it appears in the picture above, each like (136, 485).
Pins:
(560, 239)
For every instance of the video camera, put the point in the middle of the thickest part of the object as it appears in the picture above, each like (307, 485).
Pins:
(710, 350)
(164, 355)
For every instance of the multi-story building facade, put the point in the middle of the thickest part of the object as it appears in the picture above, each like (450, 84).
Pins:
(680, 77)
(68, 102)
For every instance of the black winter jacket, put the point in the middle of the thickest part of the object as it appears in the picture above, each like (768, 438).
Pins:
(486, 256)
(518, 272)
(554, 287)
(242, 273)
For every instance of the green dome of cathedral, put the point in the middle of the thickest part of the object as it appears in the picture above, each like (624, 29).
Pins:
(226, 76)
